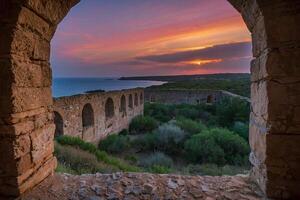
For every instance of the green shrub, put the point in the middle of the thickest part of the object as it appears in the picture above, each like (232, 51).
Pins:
(100, 155)
(218, 146)
(242, 129)
(190, 126)
(230, 110)
(61, 168)
(214, 170)
(188, 111)
(115, 143)
(202, 148)
(76, 141)
(146, 142)
(78, 161)
(142, 124)
(124, 132)
(160, 112)
(131, 158)
(169, 138)
(160, 169)
(157, 159)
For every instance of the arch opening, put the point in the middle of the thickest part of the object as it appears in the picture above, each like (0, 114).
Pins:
(109, 109)
(136, 99)
(141, 99)
(87, 116)
(59, 124)
(123, 105)
(209, 99)
(130, 101)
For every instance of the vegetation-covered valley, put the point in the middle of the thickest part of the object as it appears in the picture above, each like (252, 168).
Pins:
(184, 139)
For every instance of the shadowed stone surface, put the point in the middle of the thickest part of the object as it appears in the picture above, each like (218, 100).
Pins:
(131, 186)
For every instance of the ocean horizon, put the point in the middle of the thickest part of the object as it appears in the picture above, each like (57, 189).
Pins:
(72, 86)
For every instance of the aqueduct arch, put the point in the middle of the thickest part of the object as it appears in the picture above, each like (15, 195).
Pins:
(109, 108)
(59, 124)
(26, 118)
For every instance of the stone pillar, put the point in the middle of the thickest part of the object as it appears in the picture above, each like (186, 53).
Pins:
(275, 96)
(26, 119)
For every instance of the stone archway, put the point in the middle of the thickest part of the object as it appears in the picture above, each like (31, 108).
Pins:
(209, 99)
(88, 122)
(59, 124)
(26, 123)
(141, 99)
(109, 109)
(136, 99)
(123, 105)
(130, 101)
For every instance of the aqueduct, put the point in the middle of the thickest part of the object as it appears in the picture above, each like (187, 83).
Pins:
(88, 115)
(26, 118)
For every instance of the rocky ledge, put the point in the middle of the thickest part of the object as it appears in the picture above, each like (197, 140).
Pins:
(136, 186)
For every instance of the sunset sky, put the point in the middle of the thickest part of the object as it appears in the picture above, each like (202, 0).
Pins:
(150, 37)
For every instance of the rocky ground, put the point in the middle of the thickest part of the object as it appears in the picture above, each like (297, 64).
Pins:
(130, 186)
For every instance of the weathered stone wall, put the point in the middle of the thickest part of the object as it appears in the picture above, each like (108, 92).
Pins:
(26, 121)
(173, 96)
(71, 111)
(275, 94)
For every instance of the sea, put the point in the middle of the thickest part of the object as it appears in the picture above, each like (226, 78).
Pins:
(72, 86)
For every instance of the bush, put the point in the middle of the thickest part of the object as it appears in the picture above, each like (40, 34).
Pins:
(203, 149)
(217, 145)
(142, 124)
(124, 132)
(115, 143)
(230, 110)
(190, 126)
(61, 168)
(161, 112)
(145, 142)
(157, 159)
(77, 161)
(100, 155)
(160, 169)
(214, 170)
(169, 138)
(76, 141)
(188, 111)
(242, 129)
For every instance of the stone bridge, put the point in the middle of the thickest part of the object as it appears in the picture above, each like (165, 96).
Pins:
(96, 115)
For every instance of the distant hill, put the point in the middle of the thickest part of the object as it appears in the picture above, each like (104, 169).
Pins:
(234, 83)
(229, 76)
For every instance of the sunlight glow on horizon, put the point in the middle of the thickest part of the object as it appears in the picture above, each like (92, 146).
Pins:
(83, 47)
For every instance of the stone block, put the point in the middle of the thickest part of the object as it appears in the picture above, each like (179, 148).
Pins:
(17, 129)
(27, 73)
(42, 143)
(52, 10)
(14, 186)
(39, 175)
(259, 99)
(30, 46)
(283, 104)
(259, 37)
(257, 139)
(25, 99)
(250, 12)
(32, 22)
(277, 14)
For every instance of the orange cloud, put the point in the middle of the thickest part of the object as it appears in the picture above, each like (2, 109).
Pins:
(200, 62)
